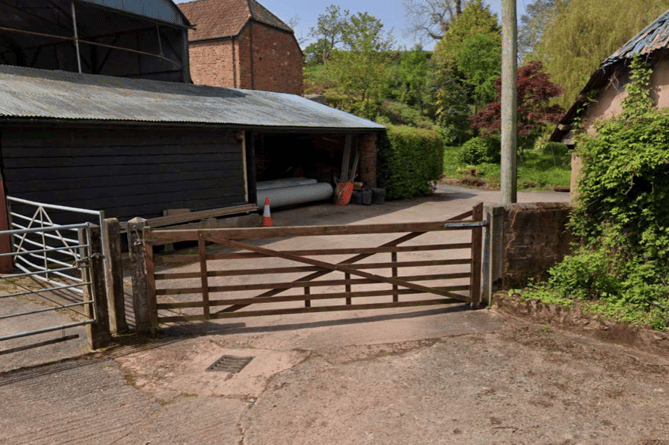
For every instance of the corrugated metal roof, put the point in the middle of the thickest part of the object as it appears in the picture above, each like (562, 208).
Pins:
(653, 37)
(31, 93)
(163, 10)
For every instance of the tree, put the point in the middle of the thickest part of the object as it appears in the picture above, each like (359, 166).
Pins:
(478, 59)
(329, 32)
(535, 91)
(431, 17)
(476, 19)
(360, 66)
(473, 35)
(580, 37)
(453, 109)
(411, 78)
(532, 24)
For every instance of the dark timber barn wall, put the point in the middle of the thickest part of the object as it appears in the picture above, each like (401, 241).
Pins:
(125, 170)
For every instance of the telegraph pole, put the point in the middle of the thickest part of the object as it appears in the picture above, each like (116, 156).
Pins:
(509, 178)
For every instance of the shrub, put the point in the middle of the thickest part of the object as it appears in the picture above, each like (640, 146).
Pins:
(410, 161)
(481, 150)
(584, 275)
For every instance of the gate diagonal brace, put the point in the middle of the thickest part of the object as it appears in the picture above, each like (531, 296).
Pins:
(342, 268)
(352, 260)
(316, 275)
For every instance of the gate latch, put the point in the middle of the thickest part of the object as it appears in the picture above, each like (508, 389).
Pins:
(458, 225)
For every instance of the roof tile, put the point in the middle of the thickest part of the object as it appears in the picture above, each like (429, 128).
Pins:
(226, 18)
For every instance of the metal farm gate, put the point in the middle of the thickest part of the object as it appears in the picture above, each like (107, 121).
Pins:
(312, 269)
(53, 269)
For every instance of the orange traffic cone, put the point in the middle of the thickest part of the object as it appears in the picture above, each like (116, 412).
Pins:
(266, 216)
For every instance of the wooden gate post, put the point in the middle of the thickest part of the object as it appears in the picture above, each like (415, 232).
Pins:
(111, 245)
(97, 332)
(477, 244)
(140, 284)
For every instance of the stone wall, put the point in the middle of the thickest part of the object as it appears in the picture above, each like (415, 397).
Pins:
(535, 237)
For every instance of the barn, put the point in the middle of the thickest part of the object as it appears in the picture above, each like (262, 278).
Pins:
(241, 44)
(136, 147)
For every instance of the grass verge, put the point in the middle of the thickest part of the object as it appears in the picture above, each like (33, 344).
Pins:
(656, 318)
(536, 171)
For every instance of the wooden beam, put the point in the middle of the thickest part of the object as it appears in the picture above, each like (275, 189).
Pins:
(313, 309)
(344, 268)
(346, 158)
(196, 216)
(368, 251)
(293, 298)
(224, 235)
(316, 275)
(299, 284)
(279, 270)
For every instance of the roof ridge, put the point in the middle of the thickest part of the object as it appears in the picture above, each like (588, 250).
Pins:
(249, 11)
(281, 23)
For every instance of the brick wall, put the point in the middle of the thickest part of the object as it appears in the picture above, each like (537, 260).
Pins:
(211, 63)
(277, 60)
(535, 238)
(368, 159)
(276, 65)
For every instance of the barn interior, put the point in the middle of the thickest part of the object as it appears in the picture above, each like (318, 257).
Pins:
(285, 155)
(146, 40)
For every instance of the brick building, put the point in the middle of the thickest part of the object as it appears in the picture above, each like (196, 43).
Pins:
(240, 44)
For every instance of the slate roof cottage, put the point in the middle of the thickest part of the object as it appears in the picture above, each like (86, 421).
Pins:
(602, 96)
(240, 44)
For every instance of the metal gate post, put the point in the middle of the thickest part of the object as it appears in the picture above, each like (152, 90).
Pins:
(492, 250)
(140, 283)
(98, 331)
(477, 241)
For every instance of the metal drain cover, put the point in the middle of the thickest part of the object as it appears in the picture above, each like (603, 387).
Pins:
(230, 363)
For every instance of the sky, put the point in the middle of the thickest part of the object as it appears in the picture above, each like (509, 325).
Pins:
(390, 12)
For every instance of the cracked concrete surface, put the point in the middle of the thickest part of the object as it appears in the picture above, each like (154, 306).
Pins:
(413, 376)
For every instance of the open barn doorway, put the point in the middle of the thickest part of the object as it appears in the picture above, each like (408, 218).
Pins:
(284, 161)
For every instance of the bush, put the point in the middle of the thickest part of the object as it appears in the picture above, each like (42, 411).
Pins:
(410, 161)
(621, 218)
(480, 151)
(585, 275)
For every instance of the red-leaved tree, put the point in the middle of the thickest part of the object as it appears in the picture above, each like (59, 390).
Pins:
(534, 93)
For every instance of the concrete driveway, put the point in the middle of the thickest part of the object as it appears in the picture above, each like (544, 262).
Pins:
(414, 376)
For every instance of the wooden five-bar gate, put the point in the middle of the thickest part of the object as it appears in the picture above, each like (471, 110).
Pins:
(290, 274)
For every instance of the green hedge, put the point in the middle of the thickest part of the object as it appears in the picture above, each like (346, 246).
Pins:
(410, 161)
